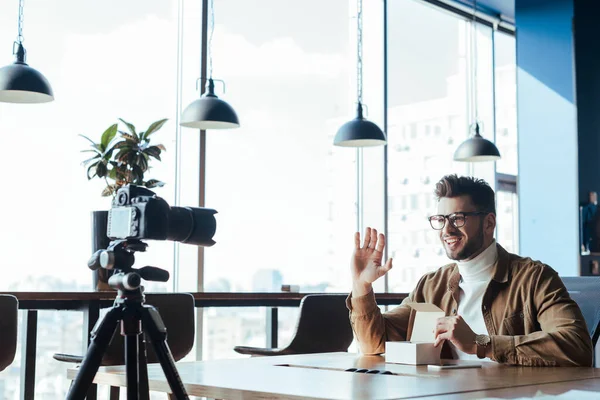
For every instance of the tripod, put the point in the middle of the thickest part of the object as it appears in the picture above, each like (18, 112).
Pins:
(134, 317)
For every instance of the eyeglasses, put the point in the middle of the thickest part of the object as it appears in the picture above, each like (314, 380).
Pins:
(457, 220)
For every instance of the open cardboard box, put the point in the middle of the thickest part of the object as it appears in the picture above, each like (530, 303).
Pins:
(418, 348)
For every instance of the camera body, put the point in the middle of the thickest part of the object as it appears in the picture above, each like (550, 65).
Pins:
(138, 213)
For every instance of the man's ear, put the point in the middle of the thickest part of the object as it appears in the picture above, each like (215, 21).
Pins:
(490, 222)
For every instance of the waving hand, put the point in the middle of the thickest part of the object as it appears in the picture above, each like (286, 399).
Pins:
(366, 264)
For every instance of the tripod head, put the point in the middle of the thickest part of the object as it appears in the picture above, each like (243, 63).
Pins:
(119, 256)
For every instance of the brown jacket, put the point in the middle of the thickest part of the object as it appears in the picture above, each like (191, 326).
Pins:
(528, 313)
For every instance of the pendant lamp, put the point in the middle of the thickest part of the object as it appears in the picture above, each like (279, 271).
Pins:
(476, 148)
(359, 132)
(19, 83)
(210, 112)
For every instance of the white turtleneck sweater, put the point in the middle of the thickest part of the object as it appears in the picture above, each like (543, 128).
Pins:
(475, 275)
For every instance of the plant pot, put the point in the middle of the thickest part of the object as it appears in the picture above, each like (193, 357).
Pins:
(99, 242)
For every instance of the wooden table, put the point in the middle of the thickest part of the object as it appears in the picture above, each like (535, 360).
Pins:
(90, 304)
(323, 376)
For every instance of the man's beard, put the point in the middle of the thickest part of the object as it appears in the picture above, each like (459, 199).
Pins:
(473, 246)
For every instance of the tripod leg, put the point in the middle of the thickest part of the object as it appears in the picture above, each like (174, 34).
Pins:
(155, 328)
(143, 368)
(131, 362)
(100, 340)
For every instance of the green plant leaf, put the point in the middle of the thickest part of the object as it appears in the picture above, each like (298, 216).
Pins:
(131, 129)
(96, 157)
(152, 183)
(107, 155)
(96, 147)
(92, 168)
(162, 147)
(87, 138)
(138, 175)
(130, 159)
(109, 190)
(130, 138)
(122, 155)
(153, 128)
(108, 136)
(142, 162)
(122, 175)
(153, 151)
(101, 170)
(112, 174)
(121, 144)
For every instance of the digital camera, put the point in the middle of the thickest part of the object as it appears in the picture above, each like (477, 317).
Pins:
(138, 213)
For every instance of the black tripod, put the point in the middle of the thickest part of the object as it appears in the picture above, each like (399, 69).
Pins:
(134, 317)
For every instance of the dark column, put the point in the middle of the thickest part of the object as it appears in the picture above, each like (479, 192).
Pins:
(586, 35)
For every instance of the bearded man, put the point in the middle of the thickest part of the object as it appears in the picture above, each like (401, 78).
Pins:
(499, 306)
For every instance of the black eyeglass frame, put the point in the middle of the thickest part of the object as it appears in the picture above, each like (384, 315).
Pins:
(453, 220)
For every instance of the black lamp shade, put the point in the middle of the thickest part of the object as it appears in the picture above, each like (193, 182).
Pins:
(209, 112)
(359, 133)
(19, 83)
(476, 149)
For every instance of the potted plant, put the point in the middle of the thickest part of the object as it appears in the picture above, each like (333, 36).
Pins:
(119, 158)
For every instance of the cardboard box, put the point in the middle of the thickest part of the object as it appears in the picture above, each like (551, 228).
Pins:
(418, 348)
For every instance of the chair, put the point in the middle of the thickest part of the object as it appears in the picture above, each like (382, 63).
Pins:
(585, 291)
(8, 329)
(323, 326)
(177, 311)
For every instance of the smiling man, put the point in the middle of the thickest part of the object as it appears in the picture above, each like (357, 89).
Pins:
(498, 306)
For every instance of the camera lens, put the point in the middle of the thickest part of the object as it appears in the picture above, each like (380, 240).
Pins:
(193, 225)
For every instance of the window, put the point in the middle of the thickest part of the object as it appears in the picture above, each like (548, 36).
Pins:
(428, 81)
(285, 195)
(102, 65)
(507, 212)
(506, 102)
(50, 131)
(507, 231)
(286, 198)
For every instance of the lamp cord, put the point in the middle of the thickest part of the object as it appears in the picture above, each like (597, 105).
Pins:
(359, 52)
(20, 38)
(210, 37)
(474, 56)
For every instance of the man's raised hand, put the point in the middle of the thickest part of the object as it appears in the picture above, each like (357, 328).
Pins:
(366, 265)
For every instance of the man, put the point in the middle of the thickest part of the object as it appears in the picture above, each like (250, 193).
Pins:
(589, 223)
(498, 306)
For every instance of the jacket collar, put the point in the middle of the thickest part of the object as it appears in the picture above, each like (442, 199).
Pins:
(500, 270)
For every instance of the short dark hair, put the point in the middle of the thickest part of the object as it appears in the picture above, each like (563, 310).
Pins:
(481, 194)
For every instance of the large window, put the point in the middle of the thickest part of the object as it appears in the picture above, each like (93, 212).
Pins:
(285, 195)
(428, 117)
(441, 78)
(102, 65)
(288, 201)
(505, 58)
